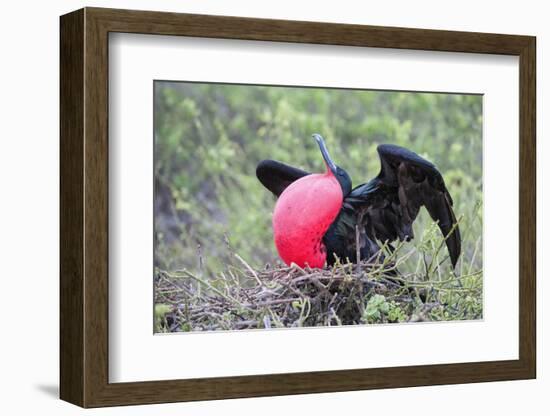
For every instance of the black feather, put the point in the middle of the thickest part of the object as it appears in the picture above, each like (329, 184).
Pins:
(387, 206)
(276, 176)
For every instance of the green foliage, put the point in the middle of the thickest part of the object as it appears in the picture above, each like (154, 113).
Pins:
(395, 313)
(161, 310)
(377, 307)
(210, 137)
(379, 310)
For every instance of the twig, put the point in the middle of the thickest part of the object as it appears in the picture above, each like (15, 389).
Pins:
(250, 269)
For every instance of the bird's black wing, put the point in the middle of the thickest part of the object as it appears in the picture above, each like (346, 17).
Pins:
(390, 202)
(276, 176)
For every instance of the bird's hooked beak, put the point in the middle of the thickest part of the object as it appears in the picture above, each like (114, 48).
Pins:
(321, 142)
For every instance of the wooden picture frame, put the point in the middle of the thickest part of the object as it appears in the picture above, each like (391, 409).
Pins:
(84, 207)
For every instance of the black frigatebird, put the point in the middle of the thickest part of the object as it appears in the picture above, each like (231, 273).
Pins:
(319, 218)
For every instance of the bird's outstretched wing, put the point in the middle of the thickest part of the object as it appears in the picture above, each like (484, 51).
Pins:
(276, 176)
(390, 202)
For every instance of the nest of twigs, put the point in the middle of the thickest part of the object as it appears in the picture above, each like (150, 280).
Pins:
(373, 291)
(283, 297)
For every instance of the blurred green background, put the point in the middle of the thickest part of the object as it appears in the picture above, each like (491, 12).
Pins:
(210, 137)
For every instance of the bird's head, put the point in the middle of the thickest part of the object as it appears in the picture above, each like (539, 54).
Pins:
(306, 209)
(340, 174)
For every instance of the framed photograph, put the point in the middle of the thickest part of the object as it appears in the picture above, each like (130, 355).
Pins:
(255, 207)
